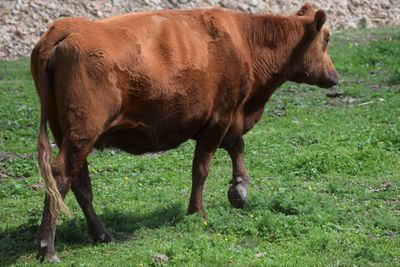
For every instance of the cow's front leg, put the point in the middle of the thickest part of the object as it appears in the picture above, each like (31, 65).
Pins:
(201, 165)
(237, 192)
(206, 146)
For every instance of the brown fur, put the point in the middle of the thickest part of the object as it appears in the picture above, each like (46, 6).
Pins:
(146, 82)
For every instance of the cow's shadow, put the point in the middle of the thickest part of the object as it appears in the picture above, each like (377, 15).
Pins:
(20, 241)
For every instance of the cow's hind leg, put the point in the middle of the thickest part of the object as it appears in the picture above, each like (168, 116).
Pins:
(82, 189)
(237, 192)
(48, 226)
(65, 168)
(46, 250)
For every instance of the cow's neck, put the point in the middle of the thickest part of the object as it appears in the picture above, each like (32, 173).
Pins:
(273, 41)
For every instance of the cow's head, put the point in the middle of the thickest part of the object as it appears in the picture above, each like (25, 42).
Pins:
(312, 64)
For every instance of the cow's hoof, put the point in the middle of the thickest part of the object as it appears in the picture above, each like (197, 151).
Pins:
(104, 237)
(45, 256)
(237, 194)
(52, 259)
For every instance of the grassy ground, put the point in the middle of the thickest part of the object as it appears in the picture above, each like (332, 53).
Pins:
(325, 188)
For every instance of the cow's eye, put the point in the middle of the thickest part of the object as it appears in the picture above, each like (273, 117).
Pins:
(327, 38)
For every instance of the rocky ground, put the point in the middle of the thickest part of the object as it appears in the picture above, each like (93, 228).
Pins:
(23, 21)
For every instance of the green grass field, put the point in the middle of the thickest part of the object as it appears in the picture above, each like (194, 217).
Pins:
(325, 188)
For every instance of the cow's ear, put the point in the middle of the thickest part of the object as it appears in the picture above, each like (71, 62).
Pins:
(319, 19)
(306, 10)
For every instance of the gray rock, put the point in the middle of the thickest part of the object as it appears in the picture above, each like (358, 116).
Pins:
(253, 2)
(160, 258)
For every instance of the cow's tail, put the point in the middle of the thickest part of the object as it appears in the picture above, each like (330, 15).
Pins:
(44, 148)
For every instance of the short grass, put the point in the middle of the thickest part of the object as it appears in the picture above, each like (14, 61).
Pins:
(325, 188)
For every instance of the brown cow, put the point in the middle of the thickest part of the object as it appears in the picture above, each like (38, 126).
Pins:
(147, 82)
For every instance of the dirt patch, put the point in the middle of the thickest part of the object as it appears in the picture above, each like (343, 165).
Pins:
(8, 155)
(333, 93)
(37, 187)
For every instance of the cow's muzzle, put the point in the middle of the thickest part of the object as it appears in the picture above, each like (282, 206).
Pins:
(331, 80)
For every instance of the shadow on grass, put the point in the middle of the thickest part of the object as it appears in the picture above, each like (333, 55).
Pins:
(20, 241)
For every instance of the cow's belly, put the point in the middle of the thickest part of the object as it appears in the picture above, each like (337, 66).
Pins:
(139, 140)
(155, 134)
